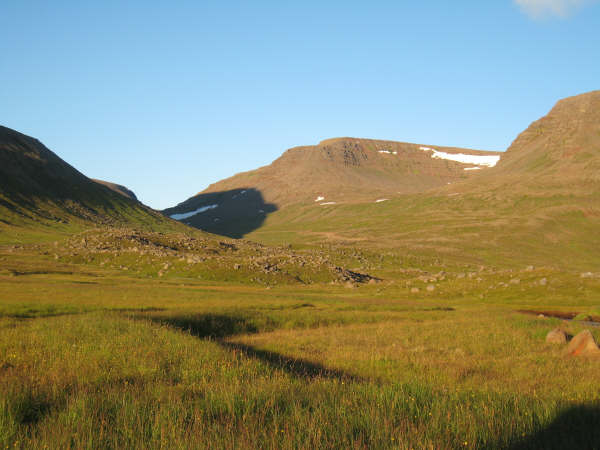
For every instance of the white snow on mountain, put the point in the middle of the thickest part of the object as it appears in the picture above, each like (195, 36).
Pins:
(480, 160)
(193, 213)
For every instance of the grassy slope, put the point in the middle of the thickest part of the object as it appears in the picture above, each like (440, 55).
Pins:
(498, 230)
(41, 195)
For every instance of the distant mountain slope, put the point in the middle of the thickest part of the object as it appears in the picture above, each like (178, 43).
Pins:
(559, 152)
(539, 205)
(565, 142)
(36, 186)
(118, 188)
(342, 170)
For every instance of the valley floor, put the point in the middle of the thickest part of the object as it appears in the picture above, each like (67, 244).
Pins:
(96, 357)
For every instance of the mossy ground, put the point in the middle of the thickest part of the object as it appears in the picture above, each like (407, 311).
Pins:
(94, 356)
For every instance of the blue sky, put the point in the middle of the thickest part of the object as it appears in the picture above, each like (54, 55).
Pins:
(168, 97)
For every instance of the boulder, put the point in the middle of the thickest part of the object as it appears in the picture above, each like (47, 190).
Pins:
(583, 344)
(430, 288)
(414, 290)
(556, 336)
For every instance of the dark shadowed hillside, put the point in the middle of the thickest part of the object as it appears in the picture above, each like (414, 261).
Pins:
(36, 186)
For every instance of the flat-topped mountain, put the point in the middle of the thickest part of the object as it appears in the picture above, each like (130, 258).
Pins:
(341, 170)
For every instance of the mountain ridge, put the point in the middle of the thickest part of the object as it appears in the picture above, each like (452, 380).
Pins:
(337, 170)
(557, 152)
(119, 188)
(38, 187)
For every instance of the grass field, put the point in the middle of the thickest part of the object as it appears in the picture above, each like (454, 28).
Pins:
(96, 357)
(497, 228)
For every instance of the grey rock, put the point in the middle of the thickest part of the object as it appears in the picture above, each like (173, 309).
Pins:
(556, 336)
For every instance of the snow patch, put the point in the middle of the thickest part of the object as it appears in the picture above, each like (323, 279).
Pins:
(480, 160)
(243, 192)
(193, 213)
(388, 152)
(319, 198)
(472, 168)
(327, 203)
(381, 200)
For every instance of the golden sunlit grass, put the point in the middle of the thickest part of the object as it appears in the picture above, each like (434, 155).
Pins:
(91, 357)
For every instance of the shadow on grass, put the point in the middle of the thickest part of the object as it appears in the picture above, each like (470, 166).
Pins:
(217, 327)
(297, 367)
(577, 427)
(213, 326)
(38, 314)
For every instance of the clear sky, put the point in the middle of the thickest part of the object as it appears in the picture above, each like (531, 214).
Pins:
(167, 97)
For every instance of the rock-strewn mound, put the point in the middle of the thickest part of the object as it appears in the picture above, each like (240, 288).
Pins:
(203, 256)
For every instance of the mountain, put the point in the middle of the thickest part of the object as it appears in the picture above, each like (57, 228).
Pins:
(565, 143)
(560, 152)
(539, 205)
(336, 171)
(38, 187)
(117, 188)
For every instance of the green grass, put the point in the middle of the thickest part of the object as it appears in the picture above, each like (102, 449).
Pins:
(104, 380)
(95, 356)
(493, 228)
